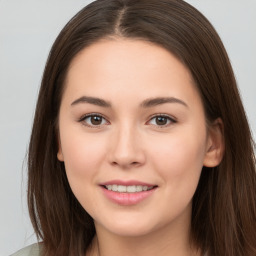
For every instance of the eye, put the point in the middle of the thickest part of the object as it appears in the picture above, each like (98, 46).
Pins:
(161, 120)
(93, 120)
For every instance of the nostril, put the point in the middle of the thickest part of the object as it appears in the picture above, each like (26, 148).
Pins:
(125, 164)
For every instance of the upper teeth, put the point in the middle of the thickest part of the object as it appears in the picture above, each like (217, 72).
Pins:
(129, 189)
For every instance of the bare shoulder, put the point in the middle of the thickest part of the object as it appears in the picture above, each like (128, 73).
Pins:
(31, 250)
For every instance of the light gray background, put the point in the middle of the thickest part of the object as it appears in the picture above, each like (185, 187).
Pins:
(27, 31)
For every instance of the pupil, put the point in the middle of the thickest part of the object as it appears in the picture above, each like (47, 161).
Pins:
(96, 120)
(160, 120)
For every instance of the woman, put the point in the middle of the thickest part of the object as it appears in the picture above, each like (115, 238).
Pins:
(140, 143)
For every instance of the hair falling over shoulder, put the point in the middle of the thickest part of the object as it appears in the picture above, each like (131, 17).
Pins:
(224, 205)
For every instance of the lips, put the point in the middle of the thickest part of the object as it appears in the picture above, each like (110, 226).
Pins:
(127, 192)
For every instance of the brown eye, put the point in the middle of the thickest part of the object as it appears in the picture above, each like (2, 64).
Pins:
(161, 120)
(94, 120)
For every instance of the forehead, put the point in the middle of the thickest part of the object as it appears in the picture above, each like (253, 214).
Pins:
(131, 66)
(111, 52)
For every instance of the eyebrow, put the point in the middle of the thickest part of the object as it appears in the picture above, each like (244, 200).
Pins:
(161, 100)
(92, 100)
(145, 104)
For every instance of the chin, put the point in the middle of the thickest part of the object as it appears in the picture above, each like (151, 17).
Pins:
(130, 231)
(128, 227)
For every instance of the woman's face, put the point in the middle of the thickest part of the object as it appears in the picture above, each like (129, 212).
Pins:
(133, 136)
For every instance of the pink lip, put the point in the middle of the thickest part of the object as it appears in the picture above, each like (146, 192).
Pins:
(127, 199)
(127, 183)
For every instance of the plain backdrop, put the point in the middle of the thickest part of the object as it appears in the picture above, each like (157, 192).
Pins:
(27, 31)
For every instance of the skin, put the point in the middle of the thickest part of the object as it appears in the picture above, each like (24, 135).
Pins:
(129, 144)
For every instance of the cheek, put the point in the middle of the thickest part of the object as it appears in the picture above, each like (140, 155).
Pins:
(82, 156)
(179, 163)
(180, 158)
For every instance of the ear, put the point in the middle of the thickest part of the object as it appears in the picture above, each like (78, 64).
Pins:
(215, 144)
(60, 154)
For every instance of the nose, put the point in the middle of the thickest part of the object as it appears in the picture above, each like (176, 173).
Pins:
(126, 149)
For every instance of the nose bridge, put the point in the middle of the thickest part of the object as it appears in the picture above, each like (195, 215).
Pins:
(126, 147)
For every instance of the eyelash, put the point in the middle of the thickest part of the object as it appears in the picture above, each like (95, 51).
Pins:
(170, 120)
(83, 118)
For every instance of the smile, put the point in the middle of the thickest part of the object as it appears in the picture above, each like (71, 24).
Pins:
(128, 192)
(128, 189)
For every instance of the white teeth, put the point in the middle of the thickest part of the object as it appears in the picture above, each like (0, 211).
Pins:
(114, 187)
(131, 189)
(121, 188)
(139, 188)
(144, 188)
(128, 189)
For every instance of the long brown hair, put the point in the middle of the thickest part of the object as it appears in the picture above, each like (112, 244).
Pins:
(224, 205)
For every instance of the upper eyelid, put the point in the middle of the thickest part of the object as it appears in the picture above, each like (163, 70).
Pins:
(163, 115)
(92, 114)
